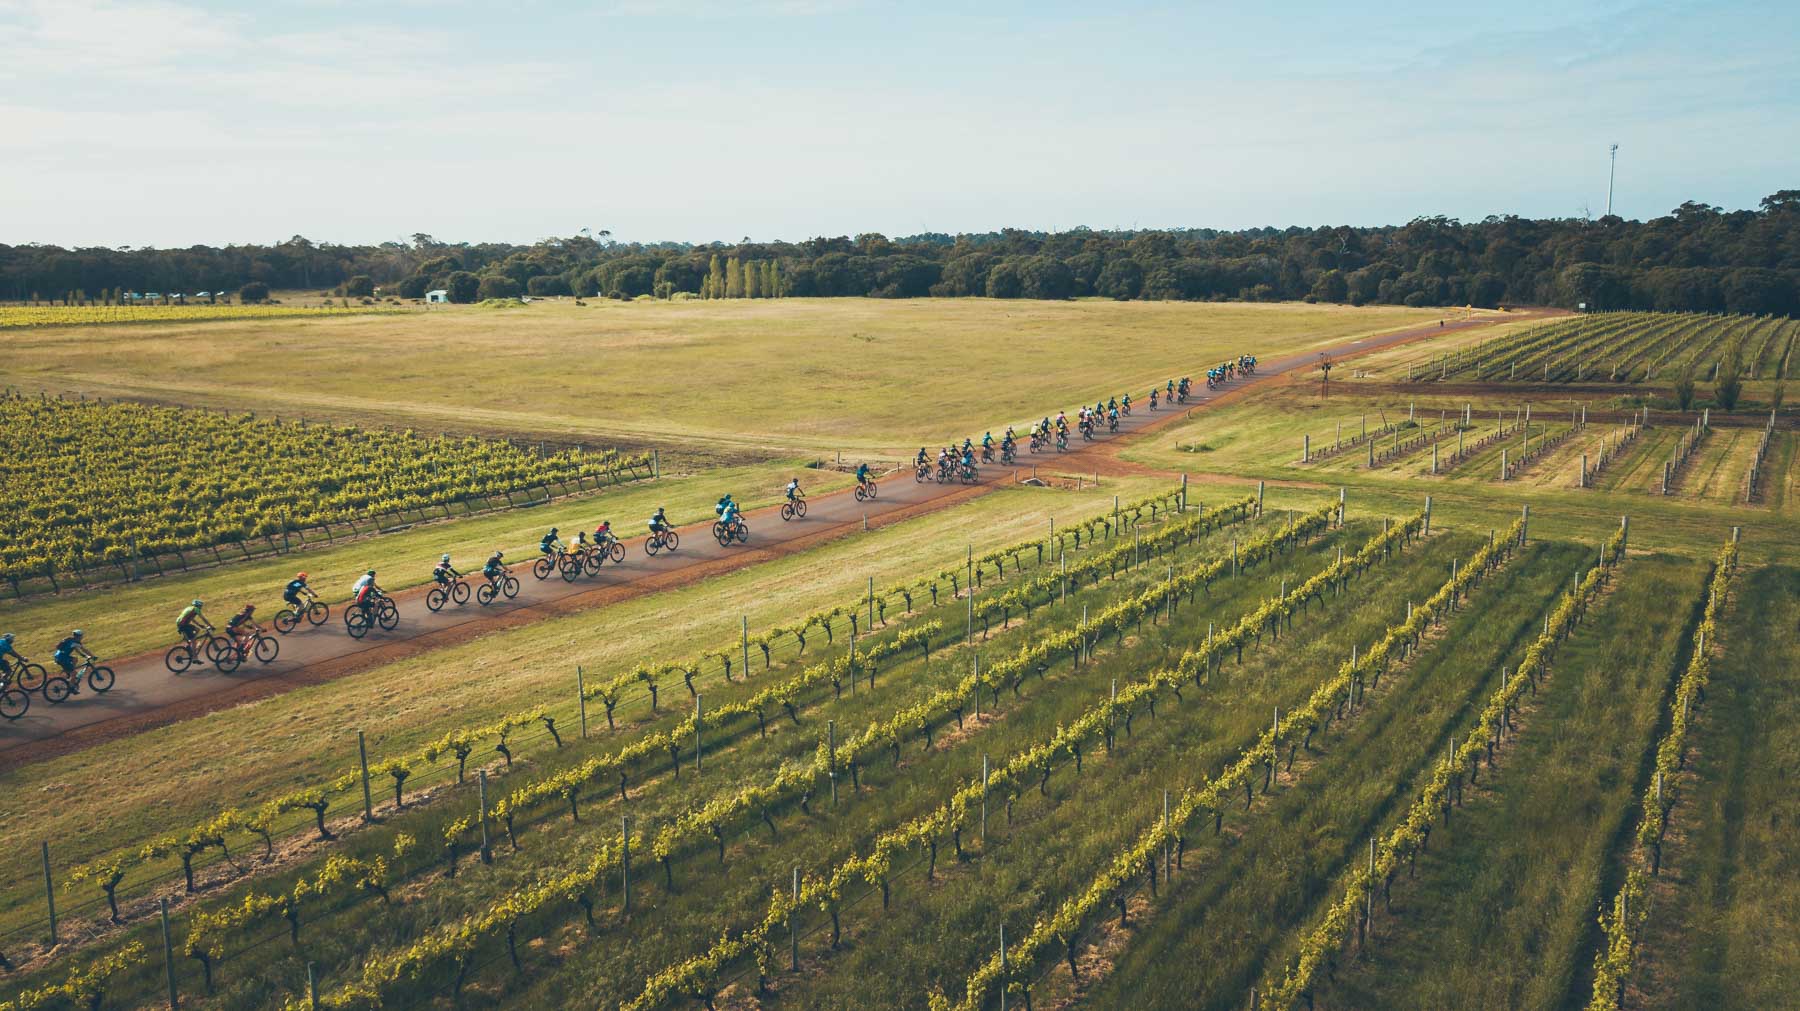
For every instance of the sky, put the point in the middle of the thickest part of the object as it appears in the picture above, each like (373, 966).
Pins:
(176, 122)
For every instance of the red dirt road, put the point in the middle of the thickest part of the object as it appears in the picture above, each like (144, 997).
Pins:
(148, 695)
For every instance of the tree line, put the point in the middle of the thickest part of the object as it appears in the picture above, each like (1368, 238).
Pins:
(1697, 257)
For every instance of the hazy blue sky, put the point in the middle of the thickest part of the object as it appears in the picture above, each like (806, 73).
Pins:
(172, 122)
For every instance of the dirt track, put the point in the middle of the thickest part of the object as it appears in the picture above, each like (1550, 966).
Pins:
(148, 695)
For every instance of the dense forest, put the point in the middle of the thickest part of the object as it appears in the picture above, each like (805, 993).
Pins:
(1697, 257)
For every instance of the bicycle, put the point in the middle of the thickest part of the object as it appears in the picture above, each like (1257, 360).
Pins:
(1008, 456)
(456, 591)
(612, 548)
(384, 614)
(736, 530)
(795, 508)
(263, 646)
(99, 678)
(546, 564)
(505, 585)
(314, 611)
(921, 472)
(573, 562)
(187, 653)
(661, 540)
(967, 473)
(865, 491)
(14, 702)
(26, 676)
(1112, 424)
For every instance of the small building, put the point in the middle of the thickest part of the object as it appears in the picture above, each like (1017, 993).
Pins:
(437, 295)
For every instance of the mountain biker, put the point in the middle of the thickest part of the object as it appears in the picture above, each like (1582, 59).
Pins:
(9, 657)
(494, 567)
(444, 572)
(1125, 405)
(295, 588)
(922, 459)
(243, 624)
(191, 621)
(659, 523)
(603, 535)
(729, 512)
(66, 651)
(1153, 394)
(580, 546)
(724, 504)
(862, 474)
(364, 593)
(968, 459)
(551, 544)
(793, 488)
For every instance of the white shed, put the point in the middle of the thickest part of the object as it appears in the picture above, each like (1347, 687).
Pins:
(437, 295)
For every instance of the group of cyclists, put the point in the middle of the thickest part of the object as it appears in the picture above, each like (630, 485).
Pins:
(370, 606)
(75, 665)
(1224, 372)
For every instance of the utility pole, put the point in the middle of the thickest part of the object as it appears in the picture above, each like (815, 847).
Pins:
(1611, 172)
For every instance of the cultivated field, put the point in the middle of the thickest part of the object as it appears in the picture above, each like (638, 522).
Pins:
(1272, 699)
(709, 378)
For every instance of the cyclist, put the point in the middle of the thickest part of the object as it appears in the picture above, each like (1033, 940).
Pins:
(192, 621)
(1169, 391)
(729, 513)
(297, 588)
(725, 503)
(580, 547)
(987, 446)
(603, 535)
(66, 652)
(445, 573)
(364, 593)
(1112, 419)
(862, 474)
(551, 545)
(659, 523)
(968, 460)
(922, 459)
(1125, 405)
(9, 657)
(242, 628)
(1153, 394)
(494, 567)
(1008, 441)
(793, 488)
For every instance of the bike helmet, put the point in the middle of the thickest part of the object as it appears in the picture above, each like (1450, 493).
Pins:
(198, 602)
(300, 576)
(445, 558)
(371, 572)
(249, 608)
(77, 634)
(553, 530)
(7, 637)
(498, 553)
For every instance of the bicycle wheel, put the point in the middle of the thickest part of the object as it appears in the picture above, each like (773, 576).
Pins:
(14, 703)
(216, 646)
(31, 677)
(570, 568)
(101, 679)
(179, 658)
(787, 511)
(57, 690)
(510, 587)
(543, 567)
(267, 649)
(800, 508)
(873, 490)
(286, 621)
(229, 659)
(388, 617)
(317, 612)
(435, 598)
(741, 532)
(652, 544)
(459, 592)
(617, 552)
(356, 622)
(718, 529)
(671, 541)
(484, 595)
